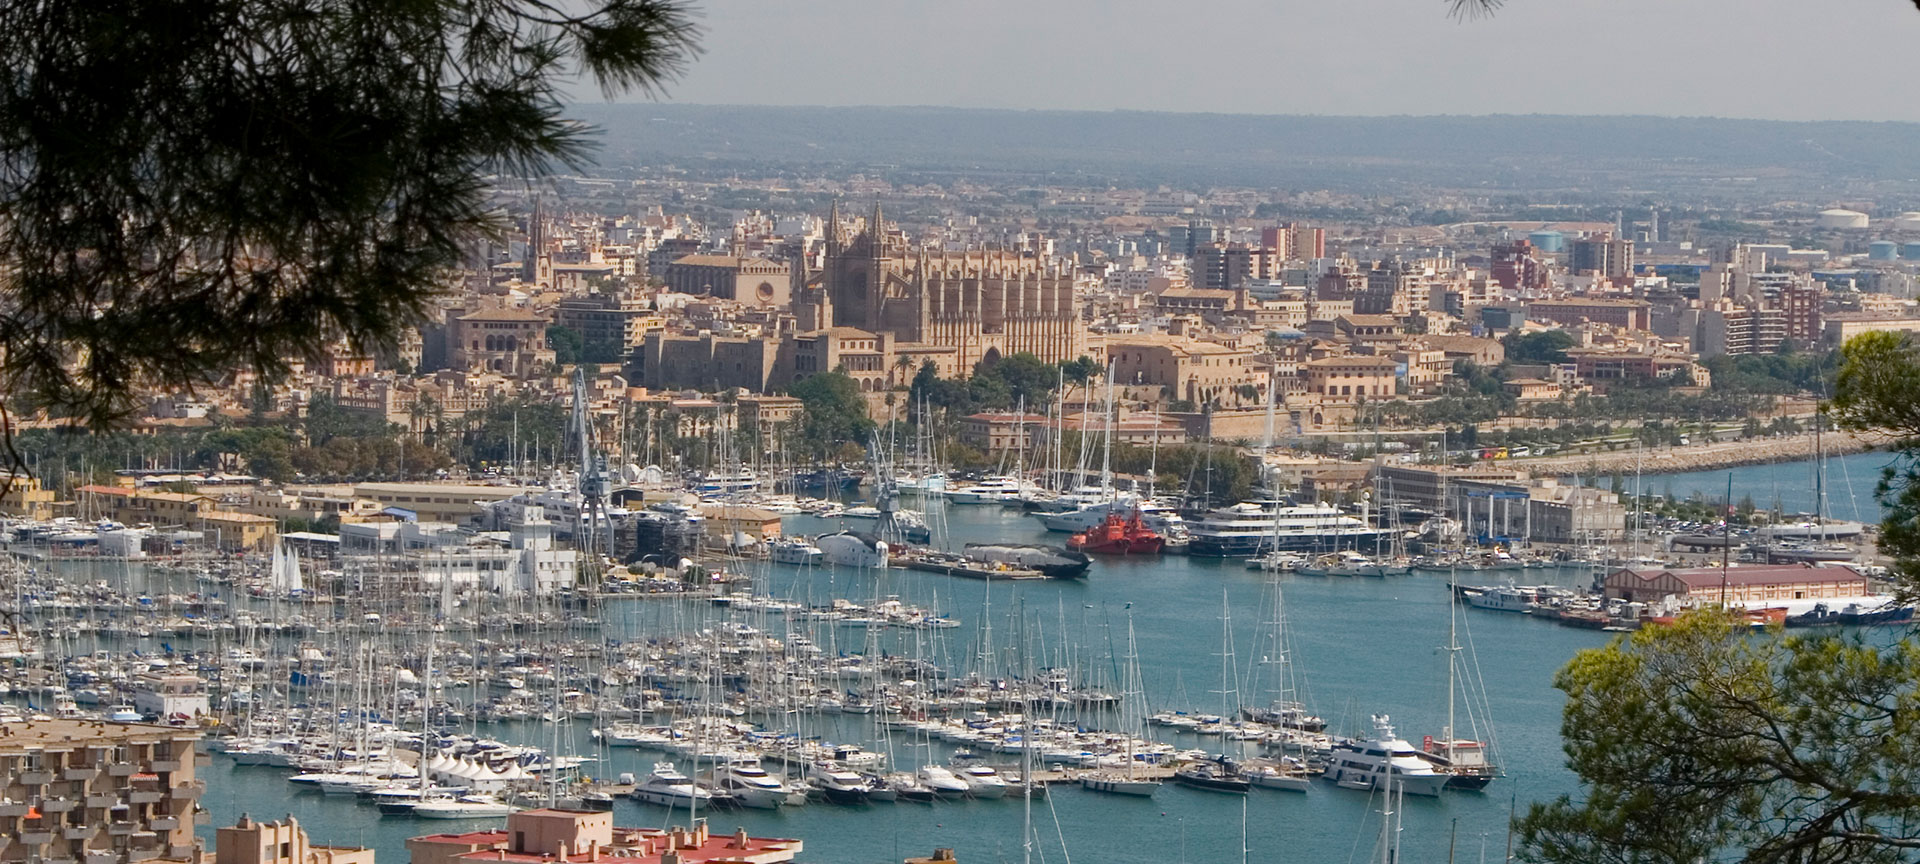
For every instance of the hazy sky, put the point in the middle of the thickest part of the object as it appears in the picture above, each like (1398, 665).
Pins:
(1778, 59)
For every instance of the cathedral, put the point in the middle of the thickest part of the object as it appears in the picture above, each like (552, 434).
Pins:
(979, 302)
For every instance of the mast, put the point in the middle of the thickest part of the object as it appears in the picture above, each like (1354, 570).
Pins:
(1106, 456)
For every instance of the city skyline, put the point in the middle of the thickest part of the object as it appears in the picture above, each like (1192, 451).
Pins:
(1379, 58)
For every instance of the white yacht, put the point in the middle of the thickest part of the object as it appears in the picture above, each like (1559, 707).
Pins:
(1252, 527)
(793, 550)
(944, 783)
(1359, 764)
(751, 786)
(991, 490)
(667, 787)
(982, 781)
(852, 549)
(464, 807)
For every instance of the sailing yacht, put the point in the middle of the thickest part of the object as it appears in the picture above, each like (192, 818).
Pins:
(1463, 761)
(1125, 782)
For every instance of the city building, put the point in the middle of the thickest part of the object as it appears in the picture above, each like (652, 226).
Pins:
(551, 836)
(25, 497)
(748, 280)
(92, 791)
(250, 842)
(1625, 314)
(508, 340)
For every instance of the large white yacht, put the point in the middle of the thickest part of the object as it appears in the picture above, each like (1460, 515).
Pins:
(1252, 527)
(751, 786)
(1361, 763)
(852, 549)
(668, 787)
(990, 490)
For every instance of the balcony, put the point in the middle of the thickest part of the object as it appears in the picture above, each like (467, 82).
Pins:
(101, 856)
(80, 832)
(121, 829)
(99, 801)
(34, 778)
(164, 766)
(164, 823)
(145, 797)
(202, 818)
(122, 769)
(190, 789)
(81, 774)
(58, 805)
(36, 836)
(12, 810)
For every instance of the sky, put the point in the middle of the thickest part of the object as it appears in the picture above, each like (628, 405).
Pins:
(1767, 59)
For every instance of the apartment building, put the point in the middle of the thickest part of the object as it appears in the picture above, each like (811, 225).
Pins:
(92, 792)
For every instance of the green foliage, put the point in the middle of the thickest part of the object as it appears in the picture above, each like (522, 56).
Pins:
(1700, 742)
(1545, 346)
(566, 343)
(489, 435)
(1878, 391)
(1784, 373)
(834, 414)
(235, 182)
(327, 420)
(1000, 385)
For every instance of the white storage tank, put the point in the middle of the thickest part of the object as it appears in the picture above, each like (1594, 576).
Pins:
(1909, 221)
(1837, 218)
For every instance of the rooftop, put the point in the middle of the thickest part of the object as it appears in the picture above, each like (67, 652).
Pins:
(66, 734)
(1709, 577)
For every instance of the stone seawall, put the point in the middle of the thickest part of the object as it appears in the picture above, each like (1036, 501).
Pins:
(1699, 457)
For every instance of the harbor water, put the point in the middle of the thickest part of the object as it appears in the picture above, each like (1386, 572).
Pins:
(1786, 486)
(1360, 646)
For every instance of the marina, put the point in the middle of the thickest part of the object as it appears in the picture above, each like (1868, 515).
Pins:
(910, 682)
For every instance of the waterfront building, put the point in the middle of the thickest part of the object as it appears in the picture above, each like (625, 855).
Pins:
(25, 497)
(250, 842)
(1738, 585)
(549, 835)
(87, 790)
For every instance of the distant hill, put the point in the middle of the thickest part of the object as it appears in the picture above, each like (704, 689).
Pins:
(1585, 154)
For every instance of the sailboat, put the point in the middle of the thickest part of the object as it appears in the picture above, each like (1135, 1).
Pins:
(1464, 761)
(1125, 782)
(284, 575)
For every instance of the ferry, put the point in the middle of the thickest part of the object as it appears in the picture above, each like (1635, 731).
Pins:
(1249, 528)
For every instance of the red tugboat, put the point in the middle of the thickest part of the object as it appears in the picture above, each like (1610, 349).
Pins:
(1118, 535)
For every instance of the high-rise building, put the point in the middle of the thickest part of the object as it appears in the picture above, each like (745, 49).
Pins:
(1603, 255)
(1517, 266)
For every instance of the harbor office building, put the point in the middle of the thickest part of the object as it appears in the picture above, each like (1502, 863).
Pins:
(1745, 586)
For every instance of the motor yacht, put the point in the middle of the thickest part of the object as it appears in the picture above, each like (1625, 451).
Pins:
(1360, 764)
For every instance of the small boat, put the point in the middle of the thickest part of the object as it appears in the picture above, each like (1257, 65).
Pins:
(792, 550)
(839, 785)
(464, 807)
(1287, 775)
(941, 782)
(1214, 775)
(1119, 783)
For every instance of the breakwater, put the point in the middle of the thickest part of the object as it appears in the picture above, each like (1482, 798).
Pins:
(1699, 457)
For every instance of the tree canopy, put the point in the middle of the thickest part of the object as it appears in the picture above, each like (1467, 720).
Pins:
(194, 186)
(1545, 346)
(1700, 742)
(1878, 391)
(833, 413)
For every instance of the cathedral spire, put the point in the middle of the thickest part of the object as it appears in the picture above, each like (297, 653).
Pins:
(875, 234)
(833, 228)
